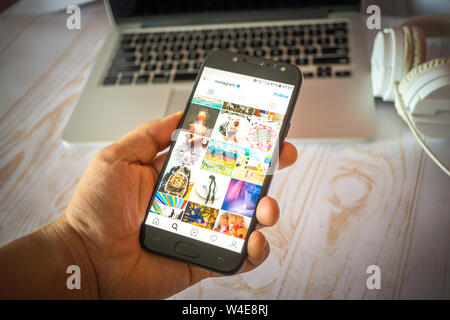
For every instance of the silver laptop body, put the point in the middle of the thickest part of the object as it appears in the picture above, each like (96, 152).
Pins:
(146, 67)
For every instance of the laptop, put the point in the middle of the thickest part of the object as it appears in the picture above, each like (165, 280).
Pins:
(149, 60)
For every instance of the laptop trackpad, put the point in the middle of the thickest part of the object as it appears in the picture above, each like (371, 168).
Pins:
(177, 101)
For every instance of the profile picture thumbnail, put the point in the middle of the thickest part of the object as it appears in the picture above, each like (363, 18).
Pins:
(241, 197)
(168, 206)
(200, 215)
(200, 120)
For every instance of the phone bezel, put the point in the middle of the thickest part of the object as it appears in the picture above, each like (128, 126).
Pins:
(162, 242)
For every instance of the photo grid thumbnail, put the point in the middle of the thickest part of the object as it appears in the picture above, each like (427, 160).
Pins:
(232, 224)
(200, 215)
(168, 206)
(220, 157)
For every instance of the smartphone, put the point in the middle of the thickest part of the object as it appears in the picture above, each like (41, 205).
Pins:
(221, 160)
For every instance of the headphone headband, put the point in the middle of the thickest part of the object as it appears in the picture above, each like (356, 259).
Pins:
(433, 25)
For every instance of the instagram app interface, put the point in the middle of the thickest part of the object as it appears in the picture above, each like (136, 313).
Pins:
(221, 156)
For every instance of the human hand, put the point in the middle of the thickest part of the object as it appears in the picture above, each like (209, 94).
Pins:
(109, 206)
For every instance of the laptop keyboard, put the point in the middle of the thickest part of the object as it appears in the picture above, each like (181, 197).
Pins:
(177, 56)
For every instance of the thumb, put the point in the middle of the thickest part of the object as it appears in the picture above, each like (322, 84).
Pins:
(143, 143)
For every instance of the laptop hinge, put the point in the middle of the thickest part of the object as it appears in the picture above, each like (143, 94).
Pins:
(236, 17)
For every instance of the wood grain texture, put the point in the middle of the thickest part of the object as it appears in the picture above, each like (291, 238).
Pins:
(344, 206)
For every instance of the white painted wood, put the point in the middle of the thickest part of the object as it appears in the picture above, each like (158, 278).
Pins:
(344, 206)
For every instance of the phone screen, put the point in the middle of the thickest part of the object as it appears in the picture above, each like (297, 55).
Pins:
(221, 157)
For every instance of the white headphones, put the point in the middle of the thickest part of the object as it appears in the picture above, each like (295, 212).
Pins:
(420, 88)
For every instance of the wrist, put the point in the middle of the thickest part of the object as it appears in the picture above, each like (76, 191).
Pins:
(69, 249)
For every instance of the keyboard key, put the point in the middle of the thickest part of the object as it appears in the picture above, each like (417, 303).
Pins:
(336, 31)
(186, 37)
(155, 38)
(331, 60)
(276, 52)
(193, 56)
(334, 50)
(308, 75)
(306, 42)
(314, 32)
(109, 81)
(273, 43)
(256, 44)
(197, 65)
(240, 45)
(166, 66)
(323, 41)
(259, 53)
(161, 57)
(146, 57)
(310, 50)
(302, 61)
(125, 68)
(126, 79)
(182, 66)
(124, 60)
(191, 76)
(281, 33)
(200, 36)
(160, 78)
(175, 47)
(177, 56)
(150, 67)
(224, 45)
(293, 51)
(233, 35)
(142, 78)
(298, 33)
(324, 72)
(125, 42)
(343, 73)
(340, 40)
(126, 50)
(208, 46)
(191, 47)
(289, 42)
(161, 48)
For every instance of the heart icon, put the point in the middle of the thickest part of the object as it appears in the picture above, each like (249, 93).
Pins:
(213, 237)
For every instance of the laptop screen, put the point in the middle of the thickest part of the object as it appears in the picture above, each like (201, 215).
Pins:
(164, 12)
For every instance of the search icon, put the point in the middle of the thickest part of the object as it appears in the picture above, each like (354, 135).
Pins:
(175, 226)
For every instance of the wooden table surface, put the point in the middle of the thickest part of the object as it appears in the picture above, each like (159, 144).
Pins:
(344, 206)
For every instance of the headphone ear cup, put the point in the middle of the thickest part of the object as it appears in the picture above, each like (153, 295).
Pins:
(387, 61)
(429, 78)
(419, 71)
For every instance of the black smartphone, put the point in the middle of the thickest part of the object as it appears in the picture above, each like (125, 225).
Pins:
(221, 160)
